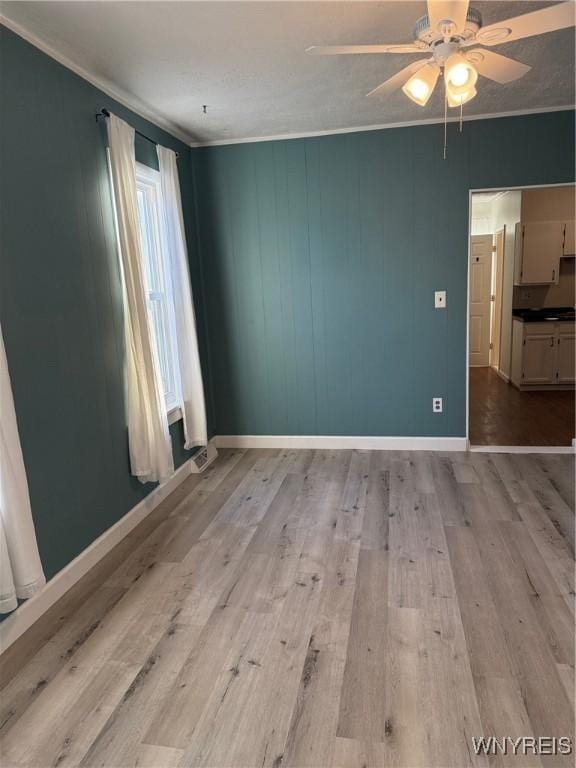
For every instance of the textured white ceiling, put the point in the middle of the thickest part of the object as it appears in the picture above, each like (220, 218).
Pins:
(246, 61)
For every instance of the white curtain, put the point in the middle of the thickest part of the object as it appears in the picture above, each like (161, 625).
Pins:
(193, 406)
(21, 574)
(148, 435)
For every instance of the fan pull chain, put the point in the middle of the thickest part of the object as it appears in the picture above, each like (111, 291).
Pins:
(461, 107)
(445, 122)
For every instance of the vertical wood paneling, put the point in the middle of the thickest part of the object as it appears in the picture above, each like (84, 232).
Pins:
(300, 278)
(273, 349)
(332, 251)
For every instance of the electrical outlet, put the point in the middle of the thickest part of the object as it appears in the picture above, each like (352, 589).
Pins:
(439, 299)
(437, 404)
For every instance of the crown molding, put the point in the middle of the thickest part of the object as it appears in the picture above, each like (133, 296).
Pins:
(126, 99)
(382, 126)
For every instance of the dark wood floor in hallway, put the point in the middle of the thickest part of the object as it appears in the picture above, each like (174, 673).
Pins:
(314, 608)
(502, 415)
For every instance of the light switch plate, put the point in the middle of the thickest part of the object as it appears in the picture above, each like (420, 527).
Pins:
(439, 299)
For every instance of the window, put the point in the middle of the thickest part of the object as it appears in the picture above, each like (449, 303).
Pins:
(158, 279)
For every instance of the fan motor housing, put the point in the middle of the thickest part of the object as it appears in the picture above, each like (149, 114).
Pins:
(443, 51)
(430, 37)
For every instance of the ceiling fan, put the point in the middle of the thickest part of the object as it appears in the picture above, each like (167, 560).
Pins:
(449, 31)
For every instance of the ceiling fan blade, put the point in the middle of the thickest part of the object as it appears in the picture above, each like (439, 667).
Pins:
(440, 11)
(496, 67)
(334, 50)
(549, 19)
(398, 80)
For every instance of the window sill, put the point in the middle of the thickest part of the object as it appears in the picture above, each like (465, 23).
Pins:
(174, 414)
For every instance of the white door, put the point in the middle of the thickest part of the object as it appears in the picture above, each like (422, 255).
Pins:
(566, 362)
(480, 286)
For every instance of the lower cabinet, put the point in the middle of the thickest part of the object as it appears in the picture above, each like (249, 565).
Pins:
(566, 359)
(542, 354)
(538, 359)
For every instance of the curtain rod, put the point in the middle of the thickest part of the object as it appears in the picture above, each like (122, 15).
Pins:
(105, 113)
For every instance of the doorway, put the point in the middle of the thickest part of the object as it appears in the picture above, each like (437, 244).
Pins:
(521, 314)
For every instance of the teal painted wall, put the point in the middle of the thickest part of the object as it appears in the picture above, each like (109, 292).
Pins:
(321, 257)
(313, 263)
(60, 298)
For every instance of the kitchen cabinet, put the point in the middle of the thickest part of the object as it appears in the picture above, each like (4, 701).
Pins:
(542, 354)
(548, 203)
(538, 358)
(569, 239)
(539, 246)
(565, 350)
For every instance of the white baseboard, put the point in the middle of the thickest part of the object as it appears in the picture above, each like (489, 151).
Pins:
(521, 449)
(344, 442)
(30, 611)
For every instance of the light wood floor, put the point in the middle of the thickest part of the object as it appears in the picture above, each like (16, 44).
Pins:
(327, 608)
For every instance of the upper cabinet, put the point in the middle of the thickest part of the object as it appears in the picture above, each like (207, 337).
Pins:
(570, 238)
(539, 246)
(549, 205)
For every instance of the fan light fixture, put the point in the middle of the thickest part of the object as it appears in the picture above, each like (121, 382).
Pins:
(461, 99)
(446, 33)
(459, 75)
(420, 86)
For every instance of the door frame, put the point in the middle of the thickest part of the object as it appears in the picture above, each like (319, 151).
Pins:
(496, 302)
(500, 448)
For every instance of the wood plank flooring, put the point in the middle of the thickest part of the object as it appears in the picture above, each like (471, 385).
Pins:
(502, 415)
(314, 609)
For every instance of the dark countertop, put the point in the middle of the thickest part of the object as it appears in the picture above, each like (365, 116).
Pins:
(560, 314)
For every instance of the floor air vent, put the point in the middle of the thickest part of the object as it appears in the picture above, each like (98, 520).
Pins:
(203, 458)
